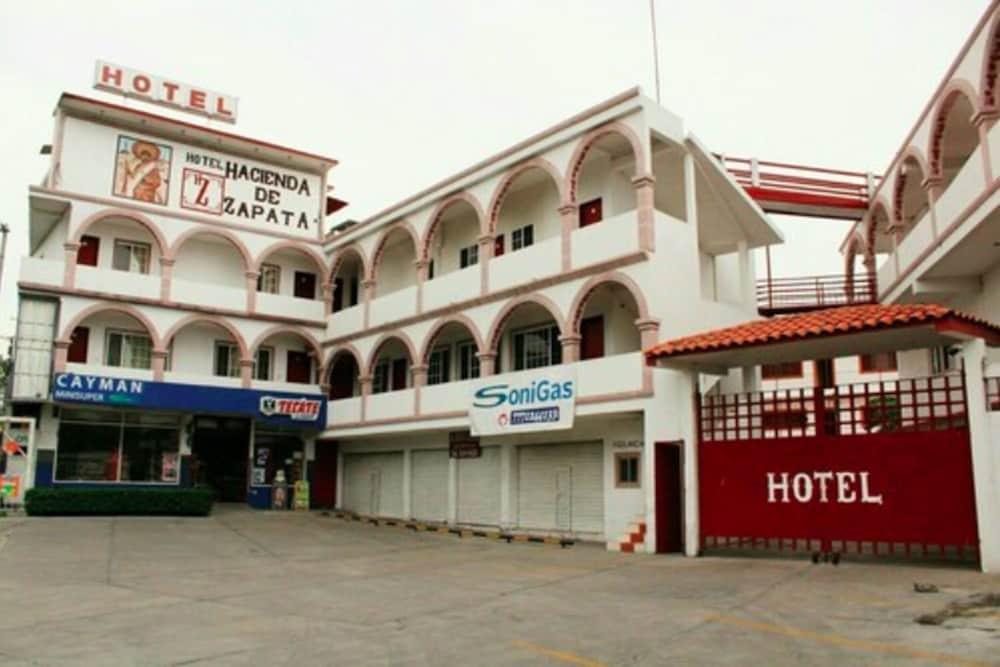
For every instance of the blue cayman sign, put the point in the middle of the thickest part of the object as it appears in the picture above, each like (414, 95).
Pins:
(541, 400)
(276, 407)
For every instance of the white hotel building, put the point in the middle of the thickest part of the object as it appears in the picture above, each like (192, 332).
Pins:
(572, 250)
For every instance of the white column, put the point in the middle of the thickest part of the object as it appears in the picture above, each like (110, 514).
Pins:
(692, 529)
(508, 491)
(983, 463)
(407, 482)
(339, 501)
(452, 491)
(747, 286)
(690, 194)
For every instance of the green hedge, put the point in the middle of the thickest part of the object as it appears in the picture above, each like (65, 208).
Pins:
(51, 500)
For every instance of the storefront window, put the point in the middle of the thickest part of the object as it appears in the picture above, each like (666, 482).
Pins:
(274, 451)
(111, 446)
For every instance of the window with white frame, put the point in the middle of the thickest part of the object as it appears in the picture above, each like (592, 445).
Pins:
(131, 256)
(942, 360)
(468, 360)
(468, 256)
(128, 349)
(522, 237)
(438, 365)
(262, 363)
(269, 280)
(537, 347)
(380, 379)
(227, 359)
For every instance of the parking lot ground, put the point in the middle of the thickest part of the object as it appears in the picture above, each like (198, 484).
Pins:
(244, 587)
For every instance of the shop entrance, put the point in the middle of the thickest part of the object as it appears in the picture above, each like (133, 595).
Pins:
(219, 449)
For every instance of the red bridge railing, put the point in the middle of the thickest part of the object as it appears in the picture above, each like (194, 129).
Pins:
(792, 295)
(781, 187)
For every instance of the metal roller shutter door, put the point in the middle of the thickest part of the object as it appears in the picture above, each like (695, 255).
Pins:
(429, 486)
(479, 488)
(374, 483)
(561, 487)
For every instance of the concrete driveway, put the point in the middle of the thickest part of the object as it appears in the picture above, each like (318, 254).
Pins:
(247, 587)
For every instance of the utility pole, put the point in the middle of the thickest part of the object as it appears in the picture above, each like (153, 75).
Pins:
(4, 230)
(656, 50)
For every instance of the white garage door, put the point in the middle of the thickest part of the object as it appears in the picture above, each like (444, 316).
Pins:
(429, 486)
(479, 488)
(373, 483)
(561, 487)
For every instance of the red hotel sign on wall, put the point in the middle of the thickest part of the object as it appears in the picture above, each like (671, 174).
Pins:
(166, 92)
(897, 487)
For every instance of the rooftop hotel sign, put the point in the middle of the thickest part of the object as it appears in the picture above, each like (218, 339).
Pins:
(166, 92)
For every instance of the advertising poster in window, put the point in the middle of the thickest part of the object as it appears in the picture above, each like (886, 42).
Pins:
(170, 467)
(537, 400)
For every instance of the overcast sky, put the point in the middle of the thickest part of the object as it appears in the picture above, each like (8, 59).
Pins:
(404, 93)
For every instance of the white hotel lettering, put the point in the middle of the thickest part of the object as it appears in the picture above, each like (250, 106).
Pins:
(804, 487)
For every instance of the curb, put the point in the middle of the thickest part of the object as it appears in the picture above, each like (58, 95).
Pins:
(444, 529)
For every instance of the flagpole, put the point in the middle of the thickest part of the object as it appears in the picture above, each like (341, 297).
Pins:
(656, 50)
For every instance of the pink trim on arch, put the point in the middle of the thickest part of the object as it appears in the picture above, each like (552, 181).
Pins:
(121, 308)
(134, 216)
(313, 256)
(347, 348)
(397, 334)
(439, 210)
(871, 229)
(403, 224)
(948, 96)
(339, 258)
(912, 153)
(457, 318)
(588, 288)
(990, 67)
(500, 193)
(248, 263)
(215, 320)
(286, 329)
(496, 331)
(588, 141)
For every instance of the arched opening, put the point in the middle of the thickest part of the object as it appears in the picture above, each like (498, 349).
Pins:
(120, 243)
(955, 138)
(349, 272)
(606, 322)
(343, 377)
(528, 213)
(879, 239)
(209, 258)
(396, 262)
(528, 337)
(290, 271)
(293, 356)
(111, 338)
(390, 368)
(203, 347)
(452, 354)
(452, 242)
(603, 182)
(912, 202)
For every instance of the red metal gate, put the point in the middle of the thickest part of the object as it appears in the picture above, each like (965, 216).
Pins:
(878, 468)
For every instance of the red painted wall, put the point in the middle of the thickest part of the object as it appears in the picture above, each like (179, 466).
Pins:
(924, 482)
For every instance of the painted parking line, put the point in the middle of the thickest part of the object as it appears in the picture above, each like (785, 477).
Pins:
(561, 656)
(845, 642)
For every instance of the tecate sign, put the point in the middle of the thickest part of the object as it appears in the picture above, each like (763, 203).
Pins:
(299, 409)
(166, 92)
(542, 400)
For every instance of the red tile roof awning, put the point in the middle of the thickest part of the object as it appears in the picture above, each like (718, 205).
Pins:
(822, 324)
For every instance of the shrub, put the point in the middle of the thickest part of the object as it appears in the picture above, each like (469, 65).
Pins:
(52, 500)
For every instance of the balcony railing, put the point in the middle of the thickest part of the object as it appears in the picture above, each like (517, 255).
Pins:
(797, 189)
(777, 296)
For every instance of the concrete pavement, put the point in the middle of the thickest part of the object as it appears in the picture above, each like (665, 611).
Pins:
(246, 587)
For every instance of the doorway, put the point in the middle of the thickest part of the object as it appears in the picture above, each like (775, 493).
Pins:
(220, 456)
(324, 477)
(669, 482)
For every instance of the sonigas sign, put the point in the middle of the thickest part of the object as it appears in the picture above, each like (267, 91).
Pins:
(167, 92)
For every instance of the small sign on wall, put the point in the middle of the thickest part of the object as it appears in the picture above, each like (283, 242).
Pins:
(462, 445)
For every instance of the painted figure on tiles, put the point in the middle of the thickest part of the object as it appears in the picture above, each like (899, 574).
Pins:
(142, 170)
